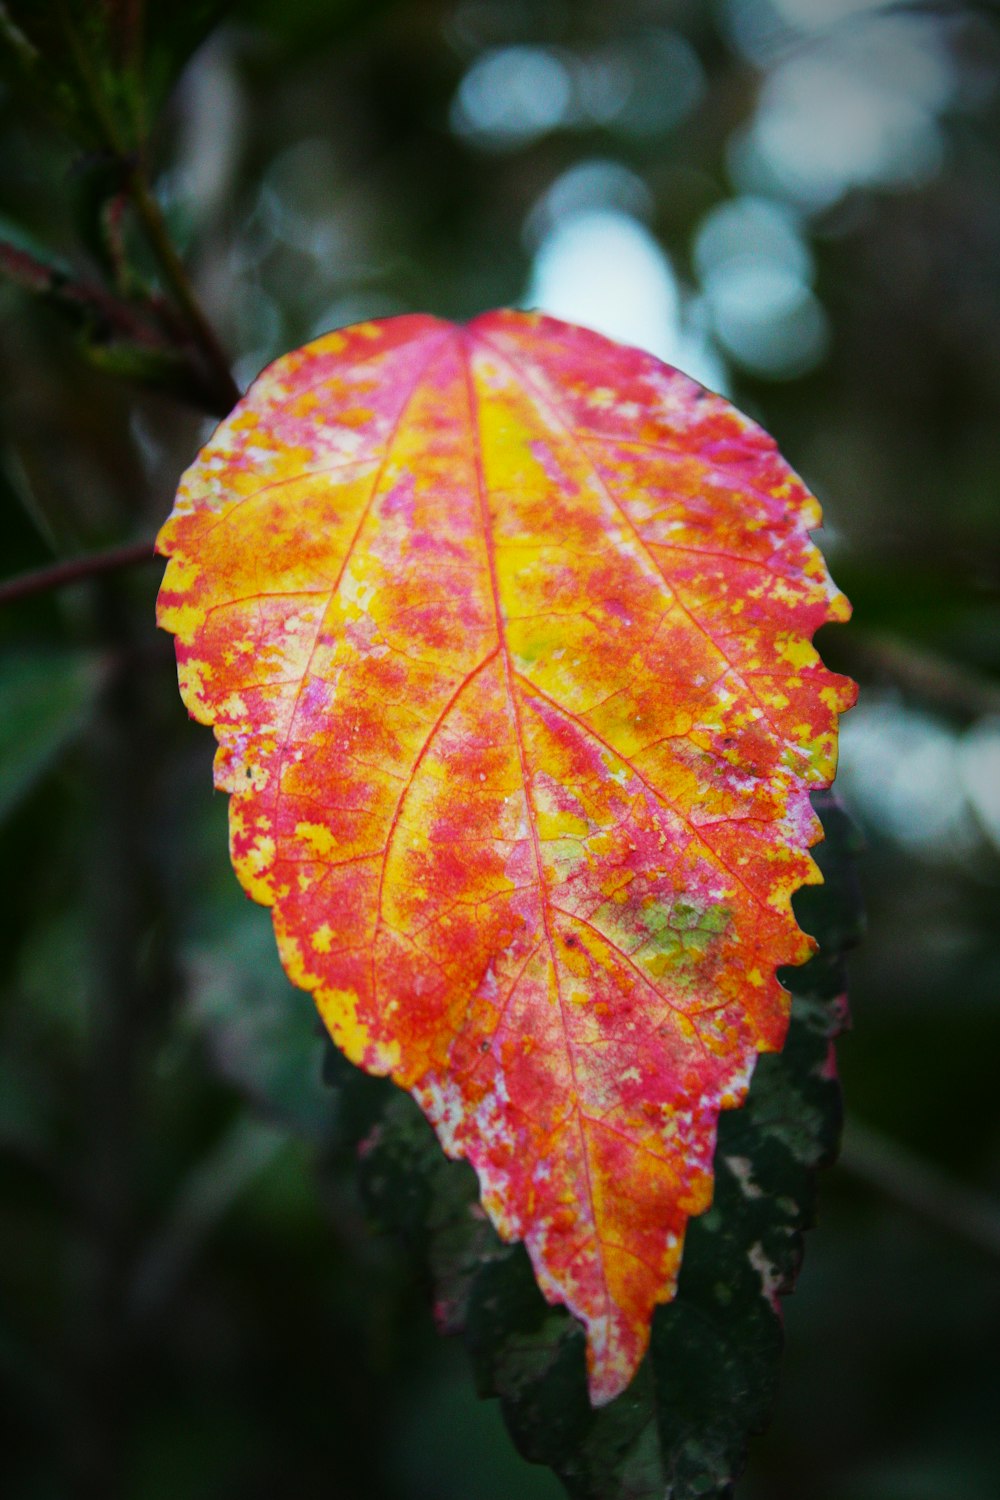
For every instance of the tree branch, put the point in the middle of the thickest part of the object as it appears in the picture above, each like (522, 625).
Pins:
(74, 570)
(148, 210)
(146, 340)
(921, 1187)
(930, 675)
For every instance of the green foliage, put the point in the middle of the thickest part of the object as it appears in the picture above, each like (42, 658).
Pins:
(103, 71)
(46, 695)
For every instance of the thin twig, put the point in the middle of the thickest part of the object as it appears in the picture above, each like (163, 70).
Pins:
(114, 315)
(928, 674)
(74, 570)
(148, 210)
(921, 1187)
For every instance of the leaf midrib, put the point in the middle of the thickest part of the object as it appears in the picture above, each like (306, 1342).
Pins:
(532, 815)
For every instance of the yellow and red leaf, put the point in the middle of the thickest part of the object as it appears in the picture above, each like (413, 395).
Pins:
(505, 634)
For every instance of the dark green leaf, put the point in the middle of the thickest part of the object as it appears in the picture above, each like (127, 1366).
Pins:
(680, 1431)
(708, 1382)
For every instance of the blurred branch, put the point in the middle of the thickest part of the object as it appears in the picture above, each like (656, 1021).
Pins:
(164, 341)
(125, 337)
(18, 46)
(147, 209)
(936, 678)
(48, 280)
(75, 569)
(920, 1187)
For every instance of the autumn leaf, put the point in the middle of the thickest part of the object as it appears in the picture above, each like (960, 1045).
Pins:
(710, 1375)
(504, 632)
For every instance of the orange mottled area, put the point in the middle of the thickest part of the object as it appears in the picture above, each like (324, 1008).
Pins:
(504, 632)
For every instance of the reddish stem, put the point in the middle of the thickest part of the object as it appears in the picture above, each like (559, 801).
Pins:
(58, 575)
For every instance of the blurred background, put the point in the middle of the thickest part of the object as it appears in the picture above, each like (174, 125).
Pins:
(798, 202)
